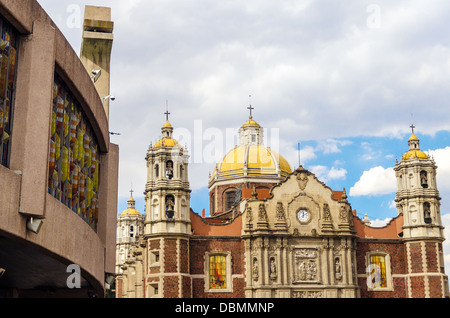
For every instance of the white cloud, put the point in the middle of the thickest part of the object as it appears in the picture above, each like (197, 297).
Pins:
(325, 174)
(315, 70)
(375, 181)
(331, 145)
(379, 222)
(442, 159)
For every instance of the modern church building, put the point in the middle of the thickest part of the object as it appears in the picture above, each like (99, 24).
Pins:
(58, 168)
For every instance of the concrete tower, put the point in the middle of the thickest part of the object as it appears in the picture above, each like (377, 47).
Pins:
(96, 47)
(418, 201)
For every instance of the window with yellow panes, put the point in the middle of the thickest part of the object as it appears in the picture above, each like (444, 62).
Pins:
(8, 60)
(74, 159)
(217, 272)
(380, 262)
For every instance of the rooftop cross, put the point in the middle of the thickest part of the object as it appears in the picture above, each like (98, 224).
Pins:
(412, 124)
(250, 108)
(167, 111)
(131, 191)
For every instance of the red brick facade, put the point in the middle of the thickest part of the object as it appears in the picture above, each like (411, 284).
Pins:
(217, 195)
(199, 248)
(405, 258)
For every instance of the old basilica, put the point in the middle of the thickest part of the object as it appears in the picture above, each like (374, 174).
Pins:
(274, 232)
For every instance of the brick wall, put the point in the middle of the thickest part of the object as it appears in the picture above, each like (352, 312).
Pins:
(170, 256)
(198, 249)
(184, 256)
(417, 284)
(415, 252)
(171, 285)
(431, 255)
(397, 253)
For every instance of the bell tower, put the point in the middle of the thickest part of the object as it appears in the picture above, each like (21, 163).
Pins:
(417, 196)
(168, 222)
(418, 201)
(167, 192)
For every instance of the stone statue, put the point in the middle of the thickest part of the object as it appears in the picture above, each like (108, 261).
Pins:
(273, 269)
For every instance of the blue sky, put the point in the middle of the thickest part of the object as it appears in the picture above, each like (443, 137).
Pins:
(348, 158)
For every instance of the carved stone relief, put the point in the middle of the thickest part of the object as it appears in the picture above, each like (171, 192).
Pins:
(306, 262)
(273, 269)
(302, 179)
(307, 294)
(255, 269)
(280, 212)
(262, 214)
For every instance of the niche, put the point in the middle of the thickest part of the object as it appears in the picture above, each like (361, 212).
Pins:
(423, 179)
(427, 212)
(170, 204)
(169, 169)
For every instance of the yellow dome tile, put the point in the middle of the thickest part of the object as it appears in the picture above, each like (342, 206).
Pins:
(259, 161)
(168, 142)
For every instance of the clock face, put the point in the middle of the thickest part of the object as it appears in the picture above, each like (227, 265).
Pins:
(303, 215)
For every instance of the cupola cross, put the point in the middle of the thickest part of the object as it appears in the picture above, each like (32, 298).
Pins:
(250, 108)
(412, 124)
(167, 111)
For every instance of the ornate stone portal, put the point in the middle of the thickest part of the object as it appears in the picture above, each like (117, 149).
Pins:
(301, 243)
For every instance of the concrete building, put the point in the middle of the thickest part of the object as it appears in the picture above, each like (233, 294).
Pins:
(58, 171)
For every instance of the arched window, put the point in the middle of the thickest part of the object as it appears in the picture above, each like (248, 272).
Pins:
(170, 206)
(169, 169)
(424, 179)
(230, 198)
(427, 212)
(156, 170)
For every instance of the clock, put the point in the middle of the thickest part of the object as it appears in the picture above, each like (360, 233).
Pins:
(303, 215)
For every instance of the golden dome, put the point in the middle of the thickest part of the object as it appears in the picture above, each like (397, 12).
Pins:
(167, 124)
(167, 141)
(252, 160)
(251, 123)
(131, 211)
(415, 154)
(414, 151)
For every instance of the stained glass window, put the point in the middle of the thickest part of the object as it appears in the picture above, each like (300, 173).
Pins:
(217, 272)
(74, 164)
(8, 57)
(380, 262)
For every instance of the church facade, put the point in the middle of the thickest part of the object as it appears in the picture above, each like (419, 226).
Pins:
(274, 232)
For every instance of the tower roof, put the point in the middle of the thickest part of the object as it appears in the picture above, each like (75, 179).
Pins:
(414, 151)
(166, 130)
(131, 210)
